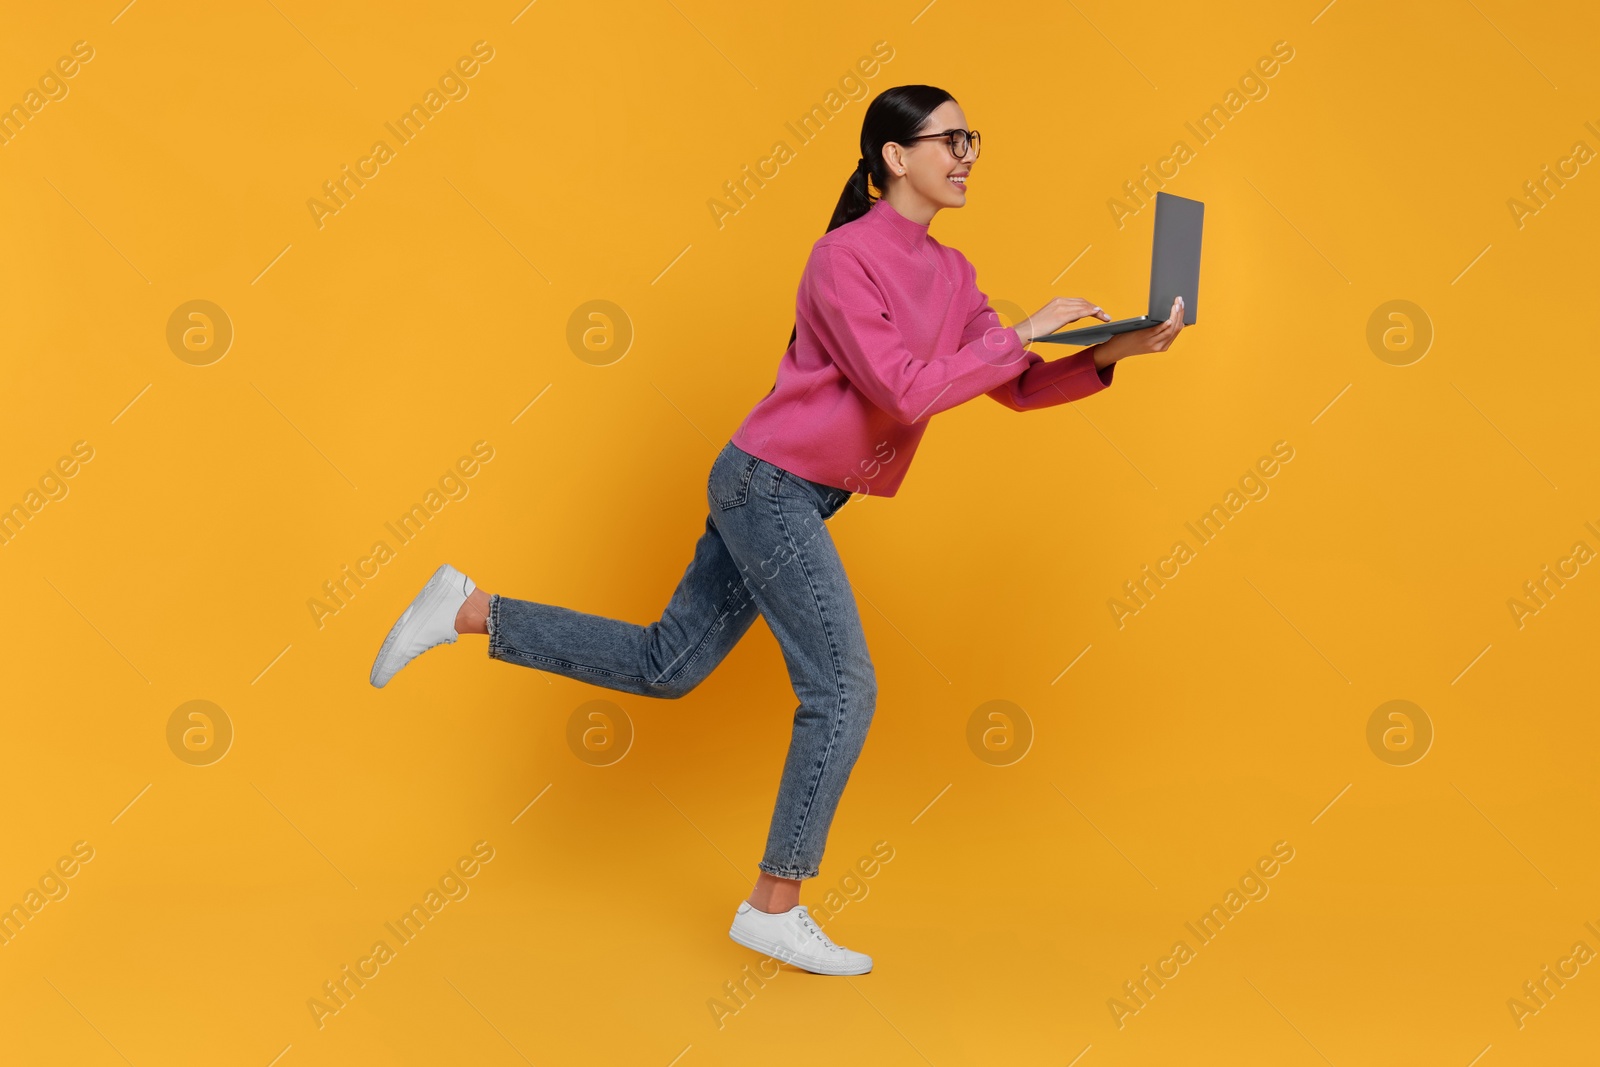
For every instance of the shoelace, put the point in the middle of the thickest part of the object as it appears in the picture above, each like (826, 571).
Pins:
(816, 931)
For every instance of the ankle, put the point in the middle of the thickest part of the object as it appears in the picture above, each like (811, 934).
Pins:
(774, 895)
(472, 618)
(771, 907)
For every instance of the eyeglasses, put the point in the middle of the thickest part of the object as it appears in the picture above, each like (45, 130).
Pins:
(957, 140)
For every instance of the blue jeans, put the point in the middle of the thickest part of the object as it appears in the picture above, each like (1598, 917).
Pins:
(765, 548)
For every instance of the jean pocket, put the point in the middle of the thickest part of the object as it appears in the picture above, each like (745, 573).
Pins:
(825, 498)
(731, 475)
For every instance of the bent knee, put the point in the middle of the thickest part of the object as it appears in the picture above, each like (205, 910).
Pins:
(861, 694)
(676, 689)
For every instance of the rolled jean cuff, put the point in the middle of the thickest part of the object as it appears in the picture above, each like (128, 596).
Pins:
(776, 871)
(489, 619)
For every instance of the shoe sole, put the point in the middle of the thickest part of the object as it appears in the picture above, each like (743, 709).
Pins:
(422, 604)
(789, 956)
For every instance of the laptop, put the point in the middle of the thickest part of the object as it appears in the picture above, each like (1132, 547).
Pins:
(1174, 272)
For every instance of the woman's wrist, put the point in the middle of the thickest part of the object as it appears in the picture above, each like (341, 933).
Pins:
(1105, 354)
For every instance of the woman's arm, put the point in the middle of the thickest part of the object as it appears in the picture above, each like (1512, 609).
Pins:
(1042, 383)
(1058, 381)
(849, 313)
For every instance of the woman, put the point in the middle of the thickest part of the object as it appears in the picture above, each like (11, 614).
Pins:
(896, 330)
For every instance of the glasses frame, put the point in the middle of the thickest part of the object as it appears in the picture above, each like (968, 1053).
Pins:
(974, 141)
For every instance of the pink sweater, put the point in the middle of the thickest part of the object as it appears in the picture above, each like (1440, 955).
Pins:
(892, 329)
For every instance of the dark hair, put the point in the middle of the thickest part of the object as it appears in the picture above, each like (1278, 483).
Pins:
(897, 115)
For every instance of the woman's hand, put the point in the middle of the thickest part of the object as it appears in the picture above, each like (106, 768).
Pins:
(1139, 342)
(1056, 314)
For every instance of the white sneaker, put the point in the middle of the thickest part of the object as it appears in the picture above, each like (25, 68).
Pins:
(429, 620)
(792, 937)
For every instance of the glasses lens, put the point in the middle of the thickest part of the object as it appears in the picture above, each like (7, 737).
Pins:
(977, 144)
(958, 143)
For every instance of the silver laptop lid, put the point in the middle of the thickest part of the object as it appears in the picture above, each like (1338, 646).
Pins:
(1175, 262)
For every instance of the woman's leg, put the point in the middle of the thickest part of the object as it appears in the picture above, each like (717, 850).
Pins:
(772, 523)
(709, 612)
(764, 547)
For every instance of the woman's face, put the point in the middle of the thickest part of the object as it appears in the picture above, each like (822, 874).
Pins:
(930, 166)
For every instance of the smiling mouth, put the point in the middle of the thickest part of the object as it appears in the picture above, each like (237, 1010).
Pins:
(959, 180)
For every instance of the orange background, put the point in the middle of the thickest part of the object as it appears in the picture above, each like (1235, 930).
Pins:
(431, 312)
